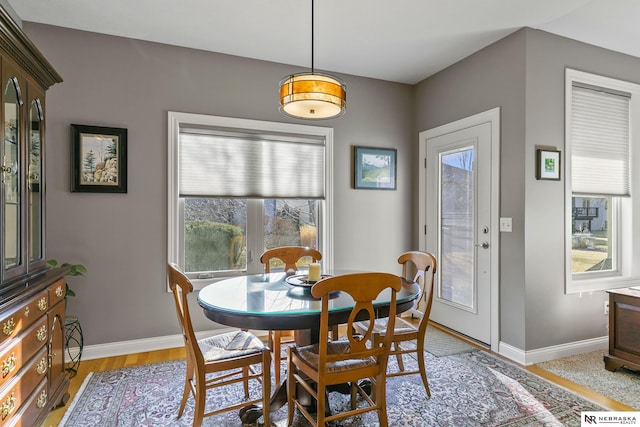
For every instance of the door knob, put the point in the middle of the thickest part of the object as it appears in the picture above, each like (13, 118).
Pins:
(485, 245)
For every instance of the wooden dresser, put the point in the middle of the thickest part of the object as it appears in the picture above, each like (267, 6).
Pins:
(32, 305)
(32, 351)
(624, 329)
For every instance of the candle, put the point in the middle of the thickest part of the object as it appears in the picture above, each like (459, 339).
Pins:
(314, 272)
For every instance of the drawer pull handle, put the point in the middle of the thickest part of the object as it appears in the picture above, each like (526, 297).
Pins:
(42, 304)
(8, 405)
(59, 292)
(42, 399)
(8, 365)
(42, 366)
(42, 333)
(8, 327)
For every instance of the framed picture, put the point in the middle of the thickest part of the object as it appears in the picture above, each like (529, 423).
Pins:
(98, 159)
(374, 168)
(548, 164)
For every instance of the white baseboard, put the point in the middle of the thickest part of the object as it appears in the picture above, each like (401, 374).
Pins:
(522, 357)
(539, 355)
(142, 345)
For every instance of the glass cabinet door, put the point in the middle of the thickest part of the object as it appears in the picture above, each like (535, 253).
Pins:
(34, 188)
(11, 162)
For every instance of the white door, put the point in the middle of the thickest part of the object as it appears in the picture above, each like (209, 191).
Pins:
(459, 200)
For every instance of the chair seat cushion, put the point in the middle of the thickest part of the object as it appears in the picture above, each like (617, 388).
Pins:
(231, 344)
(380, 326)
(309, 354)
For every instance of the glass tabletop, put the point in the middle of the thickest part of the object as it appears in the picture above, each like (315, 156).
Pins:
(268, 301)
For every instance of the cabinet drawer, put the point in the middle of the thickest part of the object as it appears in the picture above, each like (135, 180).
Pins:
(32, 408)
(57, 292)
(18, 390)
(22, 349)
(16, 321)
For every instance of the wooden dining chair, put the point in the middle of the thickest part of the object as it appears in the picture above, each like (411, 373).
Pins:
(290, 256)
(346, 360)
(232, 356)
(425, 265)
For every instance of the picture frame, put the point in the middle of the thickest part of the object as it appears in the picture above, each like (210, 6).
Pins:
(98, 159)
(374, 168)
(548, 164)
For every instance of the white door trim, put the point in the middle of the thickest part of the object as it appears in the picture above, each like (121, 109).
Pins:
(492, 116)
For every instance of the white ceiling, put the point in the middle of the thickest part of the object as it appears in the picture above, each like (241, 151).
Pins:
(397, 40)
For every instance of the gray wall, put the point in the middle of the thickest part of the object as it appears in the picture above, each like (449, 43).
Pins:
(492, 77)
(524, 75)
(120, 82)
(121, 238)
(581, 315)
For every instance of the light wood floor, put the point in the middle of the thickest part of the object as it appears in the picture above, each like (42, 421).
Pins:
(95, 365)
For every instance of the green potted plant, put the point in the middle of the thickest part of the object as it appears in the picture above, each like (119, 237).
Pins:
(73, 331)
(74, 270)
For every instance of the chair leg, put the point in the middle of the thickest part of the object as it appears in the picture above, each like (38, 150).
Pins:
(187, 388)
(266, 388)
(200, 401)
(354, 395)
(291, 389)
(381, 400)
(276, 349)
(335, 335)
(245, 382)
(321, 398)
(421, 366)
(396, 347)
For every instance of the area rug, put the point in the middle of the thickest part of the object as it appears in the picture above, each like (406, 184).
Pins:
(440, 343)
(588, 370)
(467, 389)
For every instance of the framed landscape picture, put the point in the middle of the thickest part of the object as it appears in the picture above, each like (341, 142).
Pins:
(99, 159)
(548, 164)
(374, 168)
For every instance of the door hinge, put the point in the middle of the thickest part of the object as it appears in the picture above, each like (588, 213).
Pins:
(425, 162)
(425, 229)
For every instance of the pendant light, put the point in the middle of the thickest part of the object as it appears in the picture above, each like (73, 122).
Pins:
(312, 95)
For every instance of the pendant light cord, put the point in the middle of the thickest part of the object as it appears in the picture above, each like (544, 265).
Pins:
(312, 31)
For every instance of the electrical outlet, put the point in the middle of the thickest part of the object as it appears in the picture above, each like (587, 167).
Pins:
(505, 225)
(606, 307)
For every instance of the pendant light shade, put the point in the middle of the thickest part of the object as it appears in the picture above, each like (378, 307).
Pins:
(312, 95)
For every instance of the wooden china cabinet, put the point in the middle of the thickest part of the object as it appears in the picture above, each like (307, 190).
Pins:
(32, 307)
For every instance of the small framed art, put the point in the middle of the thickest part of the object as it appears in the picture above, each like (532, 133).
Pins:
(374, 168)
(98, 159)
(548, 164)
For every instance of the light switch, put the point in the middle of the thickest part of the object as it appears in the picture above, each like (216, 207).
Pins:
(505, 225)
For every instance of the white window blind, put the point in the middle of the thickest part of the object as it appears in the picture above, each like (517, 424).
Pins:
(222, 164)
(599, 141)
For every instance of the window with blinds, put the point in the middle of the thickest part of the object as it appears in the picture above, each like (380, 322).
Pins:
(599, 141)
(238, 164)
(238, 187)
(600, 115)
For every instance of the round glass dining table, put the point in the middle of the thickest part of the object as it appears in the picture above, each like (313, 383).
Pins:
(275, 301)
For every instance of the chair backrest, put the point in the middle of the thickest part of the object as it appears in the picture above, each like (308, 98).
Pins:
(363, 288)
(181, 286)
(425, 265)
(290, 255)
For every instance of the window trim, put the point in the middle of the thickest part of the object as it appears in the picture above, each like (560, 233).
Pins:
(627, 273)
(176, 120)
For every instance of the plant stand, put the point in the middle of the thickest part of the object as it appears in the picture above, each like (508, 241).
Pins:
(73, 343)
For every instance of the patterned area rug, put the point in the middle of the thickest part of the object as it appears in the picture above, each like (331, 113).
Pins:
(588, 370)
(467, 389)
(440, 343)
